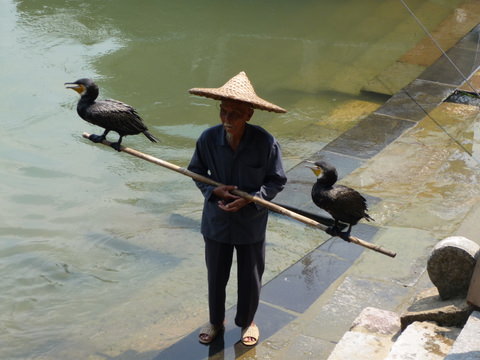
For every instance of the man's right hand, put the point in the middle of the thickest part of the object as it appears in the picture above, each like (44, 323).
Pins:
(223, 192)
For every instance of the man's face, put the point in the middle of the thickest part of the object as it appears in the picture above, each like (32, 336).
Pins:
(234, 115)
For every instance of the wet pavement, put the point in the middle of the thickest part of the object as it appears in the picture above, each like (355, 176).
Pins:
(307, 308)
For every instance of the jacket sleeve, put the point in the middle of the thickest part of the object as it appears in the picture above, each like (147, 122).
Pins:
(275, 178)
(197, 165)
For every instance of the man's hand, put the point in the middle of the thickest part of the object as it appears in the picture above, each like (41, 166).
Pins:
(223, 192)
(234, 205)
(229, 202)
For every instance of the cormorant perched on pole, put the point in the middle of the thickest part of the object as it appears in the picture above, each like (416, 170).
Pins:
(112, 115)
(344, 204)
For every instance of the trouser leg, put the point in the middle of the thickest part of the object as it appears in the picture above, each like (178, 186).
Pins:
(218, 257)
(251, 264)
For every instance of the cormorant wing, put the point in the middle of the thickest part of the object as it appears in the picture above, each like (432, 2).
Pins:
(115, 115)
(348, 201)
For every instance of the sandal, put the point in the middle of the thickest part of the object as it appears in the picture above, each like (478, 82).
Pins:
(249, 333)
(209, 332)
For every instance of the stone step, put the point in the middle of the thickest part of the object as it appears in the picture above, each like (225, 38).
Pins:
(377, 335)
(370, 337)
(423, 341)
(467, 344)
(376, 70)
(354, 43)
(454, 27)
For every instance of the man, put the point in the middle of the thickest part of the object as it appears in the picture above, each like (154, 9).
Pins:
(246, 157)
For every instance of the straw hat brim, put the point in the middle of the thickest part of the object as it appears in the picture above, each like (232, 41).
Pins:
(238, 88)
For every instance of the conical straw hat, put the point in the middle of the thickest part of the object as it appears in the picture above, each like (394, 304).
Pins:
(238, 88)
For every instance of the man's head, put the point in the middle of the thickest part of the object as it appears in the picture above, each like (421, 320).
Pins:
(234, 115)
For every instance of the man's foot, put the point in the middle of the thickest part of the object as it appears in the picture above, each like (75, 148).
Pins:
(250, 335)
(209, 332)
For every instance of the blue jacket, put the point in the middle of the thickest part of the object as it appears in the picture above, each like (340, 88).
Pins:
(256, 167)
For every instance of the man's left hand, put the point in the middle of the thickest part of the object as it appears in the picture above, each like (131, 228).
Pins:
(234, 205)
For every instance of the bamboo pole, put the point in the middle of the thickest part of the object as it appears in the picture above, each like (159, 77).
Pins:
(267, 204)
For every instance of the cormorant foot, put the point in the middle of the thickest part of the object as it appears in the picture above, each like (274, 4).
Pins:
(344, 235)
(96, 138)
(333, 231)
(116, 146)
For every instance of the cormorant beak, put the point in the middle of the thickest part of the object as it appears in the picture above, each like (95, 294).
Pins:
(316, 170)
(77, 87)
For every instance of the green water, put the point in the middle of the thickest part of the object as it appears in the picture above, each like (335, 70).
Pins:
(100, 253)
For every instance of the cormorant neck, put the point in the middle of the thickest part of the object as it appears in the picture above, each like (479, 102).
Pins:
(328, 178)
(90, 95)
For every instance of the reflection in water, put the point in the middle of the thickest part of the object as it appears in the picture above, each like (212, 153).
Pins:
(309, 272)
(100, 253)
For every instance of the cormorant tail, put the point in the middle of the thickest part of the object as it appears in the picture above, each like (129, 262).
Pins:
(150, 136)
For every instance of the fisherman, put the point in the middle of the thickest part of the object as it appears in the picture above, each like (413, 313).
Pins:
(248, 158)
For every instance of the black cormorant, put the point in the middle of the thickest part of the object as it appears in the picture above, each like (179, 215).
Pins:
(112, 115)
(344, 204)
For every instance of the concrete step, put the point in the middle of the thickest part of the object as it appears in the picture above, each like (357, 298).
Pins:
(467, 344)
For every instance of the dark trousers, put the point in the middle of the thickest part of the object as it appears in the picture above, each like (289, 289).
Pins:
(250, 267)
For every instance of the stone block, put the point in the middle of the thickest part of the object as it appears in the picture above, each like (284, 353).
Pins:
(423, 341)
(473, 295)
(370, 337)
(450, 266)
(377, 321)
(467, 346)
(361, 346)
(429, 306)
(394, 78)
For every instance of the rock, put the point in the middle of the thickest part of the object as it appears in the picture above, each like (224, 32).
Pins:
(429, 306)
(451, 265)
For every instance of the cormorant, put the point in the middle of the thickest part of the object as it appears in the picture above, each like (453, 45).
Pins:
(344, 204)
(112, 115)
